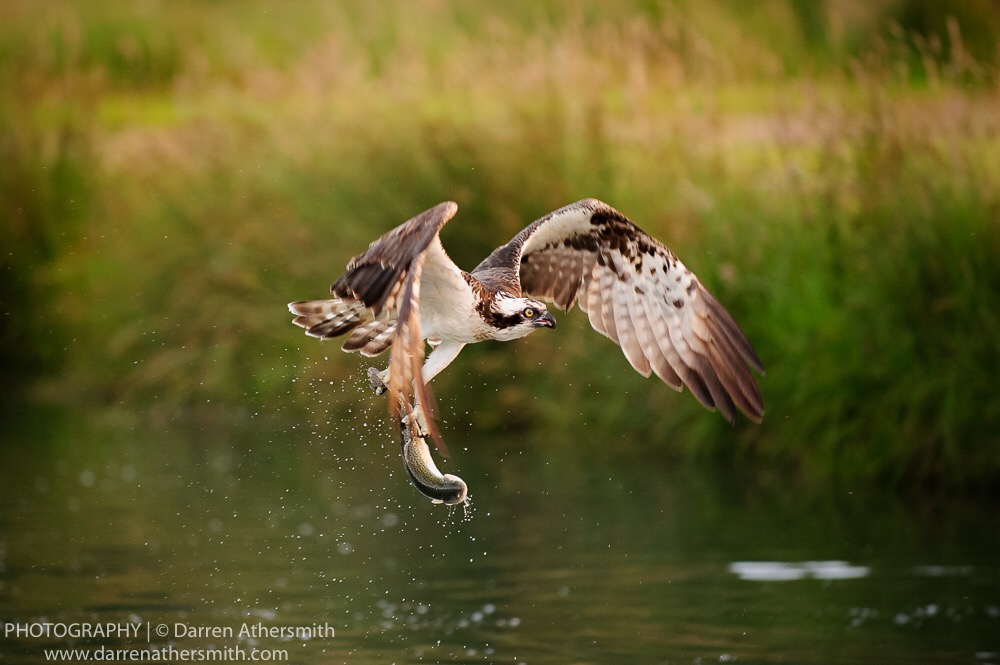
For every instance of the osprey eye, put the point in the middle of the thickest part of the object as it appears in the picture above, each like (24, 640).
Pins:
(528, 313)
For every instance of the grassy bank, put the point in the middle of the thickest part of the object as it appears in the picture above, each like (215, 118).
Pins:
(178, 173)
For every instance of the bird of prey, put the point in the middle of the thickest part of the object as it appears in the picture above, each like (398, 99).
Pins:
(404, 291)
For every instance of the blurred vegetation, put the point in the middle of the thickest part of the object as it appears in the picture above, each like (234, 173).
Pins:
(175, 172)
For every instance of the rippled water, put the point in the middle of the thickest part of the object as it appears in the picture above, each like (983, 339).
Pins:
(204, 533)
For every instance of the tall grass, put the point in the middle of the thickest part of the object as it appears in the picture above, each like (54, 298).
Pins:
(834, 185)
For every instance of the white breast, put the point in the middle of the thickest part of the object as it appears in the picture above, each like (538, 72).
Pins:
(448, 305)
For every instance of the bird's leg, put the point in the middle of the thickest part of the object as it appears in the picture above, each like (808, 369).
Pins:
(378, 380)
(442, 355)
(418, 419)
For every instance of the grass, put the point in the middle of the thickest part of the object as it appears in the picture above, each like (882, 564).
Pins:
(179, 173)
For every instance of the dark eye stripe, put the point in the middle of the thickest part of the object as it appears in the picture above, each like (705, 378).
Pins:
(501, 322)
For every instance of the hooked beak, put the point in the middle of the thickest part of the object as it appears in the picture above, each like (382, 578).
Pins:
(546, 320)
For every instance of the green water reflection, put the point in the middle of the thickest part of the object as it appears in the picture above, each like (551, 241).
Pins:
(560, 559)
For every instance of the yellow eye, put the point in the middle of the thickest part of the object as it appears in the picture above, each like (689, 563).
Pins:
(528, 313)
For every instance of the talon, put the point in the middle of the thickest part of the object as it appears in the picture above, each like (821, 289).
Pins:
(421, 422)
(378, 380)
(418, 420)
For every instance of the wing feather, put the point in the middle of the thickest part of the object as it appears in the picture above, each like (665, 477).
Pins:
(377, 300)
(693, 380)
(595, 303)
(609, 317)
(644, 333)
(663, 362)
(406, 384)
(377, 276)
(629, 335)
(637, 293)
(568, 280)
(687, 359)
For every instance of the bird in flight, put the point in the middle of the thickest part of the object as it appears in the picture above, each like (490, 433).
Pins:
(405, 293)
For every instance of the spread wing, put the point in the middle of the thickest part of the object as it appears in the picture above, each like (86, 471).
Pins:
(637, 293)
(383, 285)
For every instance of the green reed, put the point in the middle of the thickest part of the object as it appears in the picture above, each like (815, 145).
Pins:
(179, 173)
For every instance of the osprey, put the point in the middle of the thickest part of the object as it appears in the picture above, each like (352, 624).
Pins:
(404, 291)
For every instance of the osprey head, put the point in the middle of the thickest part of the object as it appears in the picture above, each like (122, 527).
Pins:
(516, 317)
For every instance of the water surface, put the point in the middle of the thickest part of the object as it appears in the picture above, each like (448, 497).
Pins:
(560, 559)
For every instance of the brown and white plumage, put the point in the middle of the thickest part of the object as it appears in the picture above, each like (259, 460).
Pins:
(378, 302)
(638, 294)
(404, 290)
